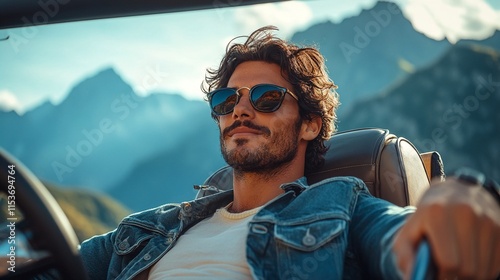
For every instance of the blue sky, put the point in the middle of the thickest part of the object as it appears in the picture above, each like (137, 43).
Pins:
(171, 52)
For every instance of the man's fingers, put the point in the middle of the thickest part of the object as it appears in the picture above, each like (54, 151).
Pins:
(405, 256)
(443, 243)
(467, 242)
(405, 246)
(487, 256)
(490, 248)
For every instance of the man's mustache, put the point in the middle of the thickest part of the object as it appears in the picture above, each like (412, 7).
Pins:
(264, 130)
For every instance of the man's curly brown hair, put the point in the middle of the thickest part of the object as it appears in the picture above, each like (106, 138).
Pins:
(303, 67)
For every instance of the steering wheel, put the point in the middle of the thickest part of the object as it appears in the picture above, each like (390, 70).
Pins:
(44, 223)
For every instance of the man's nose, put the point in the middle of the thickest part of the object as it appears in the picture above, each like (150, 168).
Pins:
(244, 107)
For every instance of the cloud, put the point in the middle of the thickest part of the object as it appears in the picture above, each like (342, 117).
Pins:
(453, 19)
(8, 101)
(289, 17)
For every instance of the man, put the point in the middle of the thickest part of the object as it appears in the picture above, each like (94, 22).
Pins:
(275, 106)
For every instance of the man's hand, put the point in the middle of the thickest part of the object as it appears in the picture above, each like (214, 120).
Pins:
(462, 225)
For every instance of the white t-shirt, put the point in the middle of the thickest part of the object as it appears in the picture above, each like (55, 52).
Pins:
(212, 249)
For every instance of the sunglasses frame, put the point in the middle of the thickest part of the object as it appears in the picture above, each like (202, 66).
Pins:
(283, 90)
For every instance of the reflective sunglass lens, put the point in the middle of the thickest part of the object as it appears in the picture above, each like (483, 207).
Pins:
(223, 101)
(267, 98)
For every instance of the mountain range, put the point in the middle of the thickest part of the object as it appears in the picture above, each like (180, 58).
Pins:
(451, 106)
(149, 150)
(101, 128)
(379, 47)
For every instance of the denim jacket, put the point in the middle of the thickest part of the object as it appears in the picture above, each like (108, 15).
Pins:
(333, 229)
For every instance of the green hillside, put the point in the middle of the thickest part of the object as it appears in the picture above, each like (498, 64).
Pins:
(90, 213)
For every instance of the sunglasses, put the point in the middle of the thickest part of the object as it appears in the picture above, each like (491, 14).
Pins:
(265, 98)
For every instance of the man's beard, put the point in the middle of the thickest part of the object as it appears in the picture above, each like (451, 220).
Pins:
(270, 158)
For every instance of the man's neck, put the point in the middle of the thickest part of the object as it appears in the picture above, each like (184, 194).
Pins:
(252, 190)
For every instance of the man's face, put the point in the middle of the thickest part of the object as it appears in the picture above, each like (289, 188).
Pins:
(252, 141)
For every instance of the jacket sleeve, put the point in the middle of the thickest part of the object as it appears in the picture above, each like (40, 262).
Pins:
(375, 223)
(96, 254)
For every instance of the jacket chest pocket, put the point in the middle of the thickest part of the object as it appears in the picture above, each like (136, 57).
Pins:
(311, 250)
(310, 236)
(129, 238)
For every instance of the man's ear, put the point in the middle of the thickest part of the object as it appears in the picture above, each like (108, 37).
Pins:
(311, 128)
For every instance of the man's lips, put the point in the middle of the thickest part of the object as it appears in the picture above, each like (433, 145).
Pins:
(245, 127)
(243, 130)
